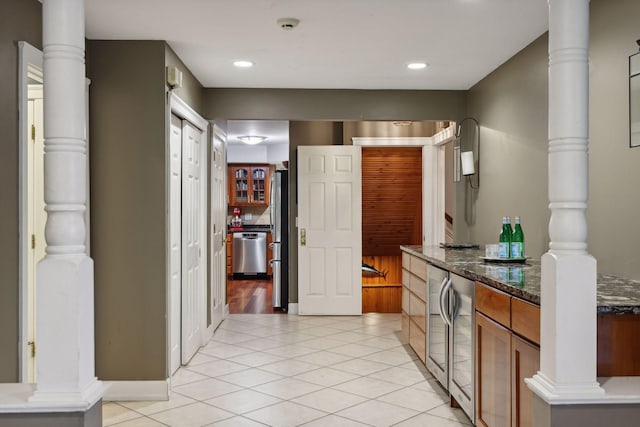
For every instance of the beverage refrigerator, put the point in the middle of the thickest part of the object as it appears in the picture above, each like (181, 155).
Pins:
(278, 211)
(451, 335)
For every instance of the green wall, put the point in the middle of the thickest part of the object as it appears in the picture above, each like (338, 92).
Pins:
(21, 20)
(511, 105)
(127, 119)
(614, 168)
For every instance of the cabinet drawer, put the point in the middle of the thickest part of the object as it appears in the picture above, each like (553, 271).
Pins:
(417, 312)
(405, 326)
(494, 304)
(417, 341)
(419, 267)
(405, 299)
(418, 287)
(525, 319)
(406, 260)
(406, 278)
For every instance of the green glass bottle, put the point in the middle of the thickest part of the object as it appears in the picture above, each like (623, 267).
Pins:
(504, 241)
(517, 241)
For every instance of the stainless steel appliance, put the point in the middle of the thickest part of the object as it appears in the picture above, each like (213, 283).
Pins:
(249, 253)
(450, 335)
(278, 205)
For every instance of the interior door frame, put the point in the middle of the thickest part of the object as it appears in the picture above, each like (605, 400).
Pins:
(180, 108)
(433, 177)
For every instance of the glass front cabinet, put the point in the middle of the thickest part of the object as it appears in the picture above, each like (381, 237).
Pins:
(249, 185)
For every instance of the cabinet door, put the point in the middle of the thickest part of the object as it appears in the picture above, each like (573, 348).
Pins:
(525, 362)
(259, 185)
(493, 373)
(239, 185)
(229, 252)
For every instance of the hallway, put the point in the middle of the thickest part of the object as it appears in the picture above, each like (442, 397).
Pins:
(286, 370)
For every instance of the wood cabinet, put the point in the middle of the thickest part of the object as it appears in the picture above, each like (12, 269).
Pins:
(249, 185)
(525, 362)
(493, 355)
(269, 254)
(414, 303)
(507, 334)
(229, 254)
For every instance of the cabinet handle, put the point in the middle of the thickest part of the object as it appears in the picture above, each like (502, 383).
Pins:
(303, 237)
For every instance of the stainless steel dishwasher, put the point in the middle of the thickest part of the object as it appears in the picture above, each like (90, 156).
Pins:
(249, 253)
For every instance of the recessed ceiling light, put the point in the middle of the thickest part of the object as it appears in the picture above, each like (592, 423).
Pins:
(417, 65)
(243, 64)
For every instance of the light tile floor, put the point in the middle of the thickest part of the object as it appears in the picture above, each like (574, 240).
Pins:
(285, 370)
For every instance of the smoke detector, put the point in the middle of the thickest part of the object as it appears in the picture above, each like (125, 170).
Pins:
(288, 24)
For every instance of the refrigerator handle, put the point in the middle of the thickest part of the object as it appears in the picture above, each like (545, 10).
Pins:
(440, 299)
(271, 202)
(444, 292)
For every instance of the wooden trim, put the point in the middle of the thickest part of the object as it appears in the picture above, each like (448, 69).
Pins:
(382, 285)
(494, 304)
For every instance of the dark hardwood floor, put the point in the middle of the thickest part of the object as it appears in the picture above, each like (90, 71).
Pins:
(249, 296)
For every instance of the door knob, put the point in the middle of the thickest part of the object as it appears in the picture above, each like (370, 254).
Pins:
(303, 237)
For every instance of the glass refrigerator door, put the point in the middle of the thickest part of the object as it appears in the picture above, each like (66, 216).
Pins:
(437, 335)
(461, 342)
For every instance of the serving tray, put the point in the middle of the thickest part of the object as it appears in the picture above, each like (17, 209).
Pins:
(505, 260)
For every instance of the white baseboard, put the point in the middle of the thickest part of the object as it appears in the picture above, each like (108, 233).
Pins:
(137, 390)
(226, 311)
(292, 308)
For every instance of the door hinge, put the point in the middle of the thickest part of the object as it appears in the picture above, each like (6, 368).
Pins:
(32, 344)
(33, 133)
(33, 241)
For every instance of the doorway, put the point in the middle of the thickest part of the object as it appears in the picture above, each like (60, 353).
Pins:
(256, 242)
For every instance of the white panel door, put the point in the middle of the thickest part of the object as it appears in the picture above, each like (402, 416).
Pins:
(329, 230)
(175, 240)
(37, 216)
(218, 219)
(193, 274)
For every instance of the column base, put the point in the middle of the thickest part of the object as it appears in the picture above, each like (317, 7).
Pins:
(68, 400)
(91, 417)
(584, 415)
(558, 394)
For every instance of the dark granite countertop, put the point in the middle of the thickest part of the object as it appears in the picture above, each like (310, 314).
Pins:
(615, 295)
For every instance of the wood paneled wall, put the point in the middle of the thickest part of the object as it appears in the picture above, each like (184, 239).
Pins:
(391, 199)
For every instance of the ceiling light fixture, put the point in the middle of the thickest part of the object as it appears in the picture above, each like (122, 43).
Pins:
(252, 139)
(417, 66)
(402, 123)
(243, 64)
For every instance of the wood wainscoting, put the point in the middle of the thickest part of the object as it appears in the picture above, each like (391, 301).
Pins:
(380, 294)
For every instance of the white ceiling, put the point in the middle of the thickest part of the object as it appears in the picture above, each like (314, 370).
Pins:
(355, 44)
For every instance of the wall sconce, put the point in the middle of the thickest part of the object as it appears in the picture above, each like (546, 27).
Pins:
(468, 167)
(469, 160)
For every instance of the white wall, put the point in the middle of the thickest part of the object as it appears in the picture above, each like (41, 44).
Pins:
(273, 153)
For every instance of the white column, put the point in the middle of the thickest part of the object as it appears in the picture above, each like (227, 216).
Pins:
(568, 294)
(64, 278)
